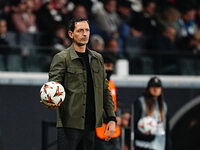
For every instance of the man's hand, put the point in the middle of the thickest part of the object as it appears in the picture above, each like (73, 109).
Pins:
(111, 127)
(49, 105)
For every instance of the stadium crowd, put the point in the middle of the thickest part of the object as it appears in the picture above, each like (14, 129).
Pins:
(157, 37)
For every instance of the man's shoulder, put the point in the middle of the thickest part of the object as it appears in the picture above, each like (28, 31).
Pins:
(96, 54)
(63, 53)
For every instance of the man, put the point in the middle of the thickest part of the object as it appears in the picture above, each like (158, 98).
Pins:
(114, 144)
(81, 72)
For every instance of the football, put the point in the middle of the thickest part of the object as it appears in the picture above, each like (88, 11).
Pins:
(147, 125)
(52, 92)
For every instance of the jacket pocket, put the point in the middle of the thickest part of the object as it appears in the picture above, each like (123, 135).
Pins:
(74, 78)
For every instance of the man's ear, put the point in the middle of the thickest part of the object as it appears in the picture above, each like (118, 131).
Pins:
(70, 33)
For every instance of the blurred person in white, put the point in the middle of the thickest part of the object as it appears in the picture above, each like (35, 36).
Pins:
(24, 19)
(97, 43)
(186, 22)
(152, 104)
(107, 20)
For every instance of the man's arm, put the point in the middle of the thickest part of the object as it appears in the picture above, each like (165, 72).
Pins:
(56, 73)
(57, 69)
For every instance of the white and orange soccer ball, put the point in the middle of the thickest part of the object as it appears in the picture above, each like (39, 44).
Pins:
(147, 125)
(52, 92)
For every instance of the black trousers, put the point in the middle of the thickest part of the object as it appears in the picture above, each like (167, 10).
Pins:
(75, 139)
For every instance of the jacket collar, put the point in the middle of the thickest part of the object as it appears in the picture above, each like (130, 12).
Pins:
(74, 55)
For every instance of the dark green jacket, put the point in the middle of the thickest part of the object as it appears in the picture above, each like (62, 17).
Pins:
(66, 68)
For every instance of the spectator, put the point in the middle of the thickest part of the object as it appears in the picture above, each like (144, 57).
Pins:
(124, 12)
(24, 20)
(145, 23)
(48, 18)
(186, 22)
(125, 119)
(96, 43)
(37, 4)
(60, 41)
(166, 40)
(125, 122)
(80, 11)
(107, 20)
(169, 17)
(7, 15)
(86, 3)
(190, 43)
(113, 46)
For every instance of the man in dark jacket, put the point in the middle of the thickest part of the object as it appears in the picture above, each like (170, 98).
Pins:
(81, 71)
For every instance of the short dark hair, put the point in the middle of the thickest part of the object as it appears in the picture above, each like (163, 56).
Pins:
(72, 22)
(145, 3)
(109, 56)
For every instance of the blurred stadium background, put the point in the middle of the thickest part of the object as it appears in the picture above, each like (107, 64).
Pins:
(149, 37)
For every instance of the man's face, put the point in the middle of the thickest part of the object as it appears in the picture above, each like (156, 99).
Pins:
(81, 33)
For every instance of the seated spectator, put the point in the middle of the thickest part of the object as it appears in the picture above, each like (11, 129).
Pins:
(24, 20)
(80, 11)
(186, 23)
(190, 43)
(48, 18)
(60, 41)
(169, 17)
(166, 40)
(86, 3)
(145, 22)
(96, 43)
(6, 14)
(37, 4)
(124, 12)
(107, 20)
(113, 46)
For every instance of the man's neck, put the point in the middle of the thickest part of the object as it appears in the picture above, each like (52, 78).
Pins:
(80, 49)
